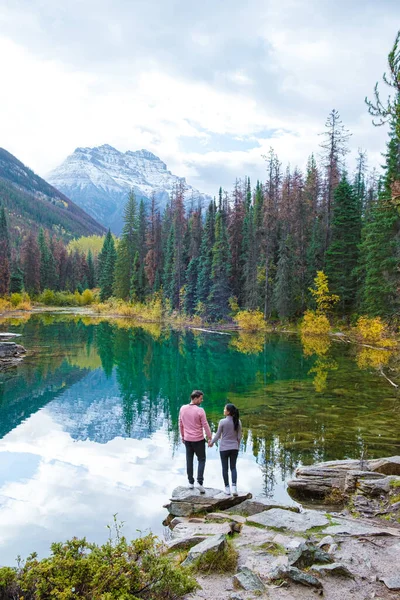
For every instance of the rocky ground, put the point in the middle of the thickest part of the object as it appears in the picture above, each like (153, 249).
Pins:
(284, 552)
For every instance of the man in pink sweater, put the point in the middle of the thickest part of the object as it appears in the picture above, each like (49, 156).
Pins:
(192, 424)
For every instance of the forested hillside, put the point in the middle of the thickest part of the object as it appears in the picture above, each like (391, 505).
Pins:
(31, 203)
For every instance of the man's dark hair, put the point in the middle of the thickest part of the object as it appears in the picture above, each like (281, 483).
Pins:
(196, 394)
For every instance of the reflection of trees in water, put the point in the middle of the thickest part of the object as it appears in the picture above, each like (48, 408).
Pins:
(319, 345)
(286, 420)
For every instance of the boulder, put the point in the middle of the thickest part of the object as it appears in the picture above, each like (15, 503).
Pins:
(247, 508)
(358, 528)
(248, 580)
(332, 569)
(223, 516)
(186, 542)
(11, 350)
(374, 487)
(320, 479)
(294, 574)
(215, 543)
(392, 583)
(306, 555)
(284, 519)
(185, 502)
(388, 466)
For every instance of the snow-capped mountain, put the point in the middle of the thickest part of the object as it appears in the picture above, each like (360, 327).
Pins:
(99, 180)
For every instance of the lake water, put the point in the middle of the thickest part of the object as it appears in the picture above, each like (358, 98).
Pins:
(88, 421)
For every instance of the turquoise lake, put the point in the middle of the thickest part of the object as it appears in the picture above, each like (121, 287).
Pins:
(88, 421)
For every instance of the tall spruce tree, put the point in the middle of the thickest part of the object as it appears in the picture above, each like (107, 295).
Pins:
(5, 254)
(335, 148)
(285, 293)
(127, 248)
(30, 255)
(106, 267)
(192, 271)
(91, 270)
(206, 255)
(342, 254)
(220, 292)
(380, 249)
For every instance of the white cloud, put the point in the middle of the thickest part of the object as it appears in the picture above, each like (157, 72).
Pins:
(151, 75)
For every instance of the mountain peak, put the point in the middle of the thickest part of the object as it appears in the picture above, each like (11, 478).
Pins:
(99, 180)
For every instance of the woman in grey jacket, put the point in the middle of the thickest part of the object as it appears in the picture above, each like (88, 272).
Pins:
(230, 432)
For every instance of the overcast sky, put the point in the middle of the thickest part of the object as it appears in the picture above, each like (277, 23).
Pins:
(206, 85)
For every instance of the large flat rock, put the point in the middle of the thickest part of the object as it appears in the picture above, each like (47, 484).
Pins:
(186, 501)
(358, 528)
(253, 507)
(321, 478)
(285, 519)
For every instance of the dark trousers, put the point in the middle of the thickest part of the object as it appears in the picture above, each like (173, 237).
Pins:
(229, 457)
(198, 449)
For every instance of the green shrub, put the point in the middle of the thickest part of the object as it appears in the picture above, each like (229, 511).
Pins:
(16, 299)
(115, 570)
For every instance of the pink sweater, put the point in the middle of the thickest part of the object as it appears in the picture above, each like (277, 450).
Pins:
(192, 422)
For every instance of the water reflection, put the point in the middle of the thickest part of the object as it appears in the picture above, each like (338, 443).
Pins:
(93, 412)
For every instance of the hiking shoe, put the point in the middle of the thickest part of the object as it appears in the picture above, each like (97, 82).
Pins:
(201, 489)
(227, 490)
(234, 490)
(191, 486)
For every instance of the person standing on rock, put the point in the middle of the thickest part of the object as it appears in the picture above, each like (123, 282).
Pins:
(230, 432)
(193, 424)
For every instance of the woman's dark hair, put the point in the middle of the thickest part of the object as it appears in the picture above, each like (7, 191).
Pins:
(234, 413)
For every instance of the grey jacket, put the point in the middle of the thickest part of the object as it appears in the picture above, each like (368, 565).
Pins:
(230, 439)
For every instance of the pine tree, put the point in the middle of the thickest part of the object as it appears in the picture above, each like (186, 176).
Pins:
(127, 249)
(285, 288)
(30, 259)
(335, 146)
(5, 254)
(48, 274)
(206, 255)
(192, 271)
(342, 254)
(380, 248)
(153, 259)
(220, 292)
(237, 229)
(91, 270)
(269, 243)
(107, 260)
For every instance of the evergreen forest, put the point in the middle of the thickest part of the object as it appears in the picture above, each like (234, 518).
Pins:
(255, 247)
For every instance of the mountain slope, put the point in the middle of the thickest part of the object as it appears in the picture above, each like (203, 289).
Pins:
(99, 180)
(32, 203)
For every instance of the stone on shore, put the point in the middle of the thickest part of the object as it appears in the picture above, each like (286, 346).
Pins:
(295, 575)
(186, 542)
(215, 544)
(344, 475)
(332, 569)
(247, 508)
(284, 519)
(306, 555)
(185, 502)
(248, 581)
(392, 583)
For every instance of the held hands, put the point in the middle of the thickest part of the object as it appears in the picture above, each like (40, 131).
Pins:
(210, 444)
